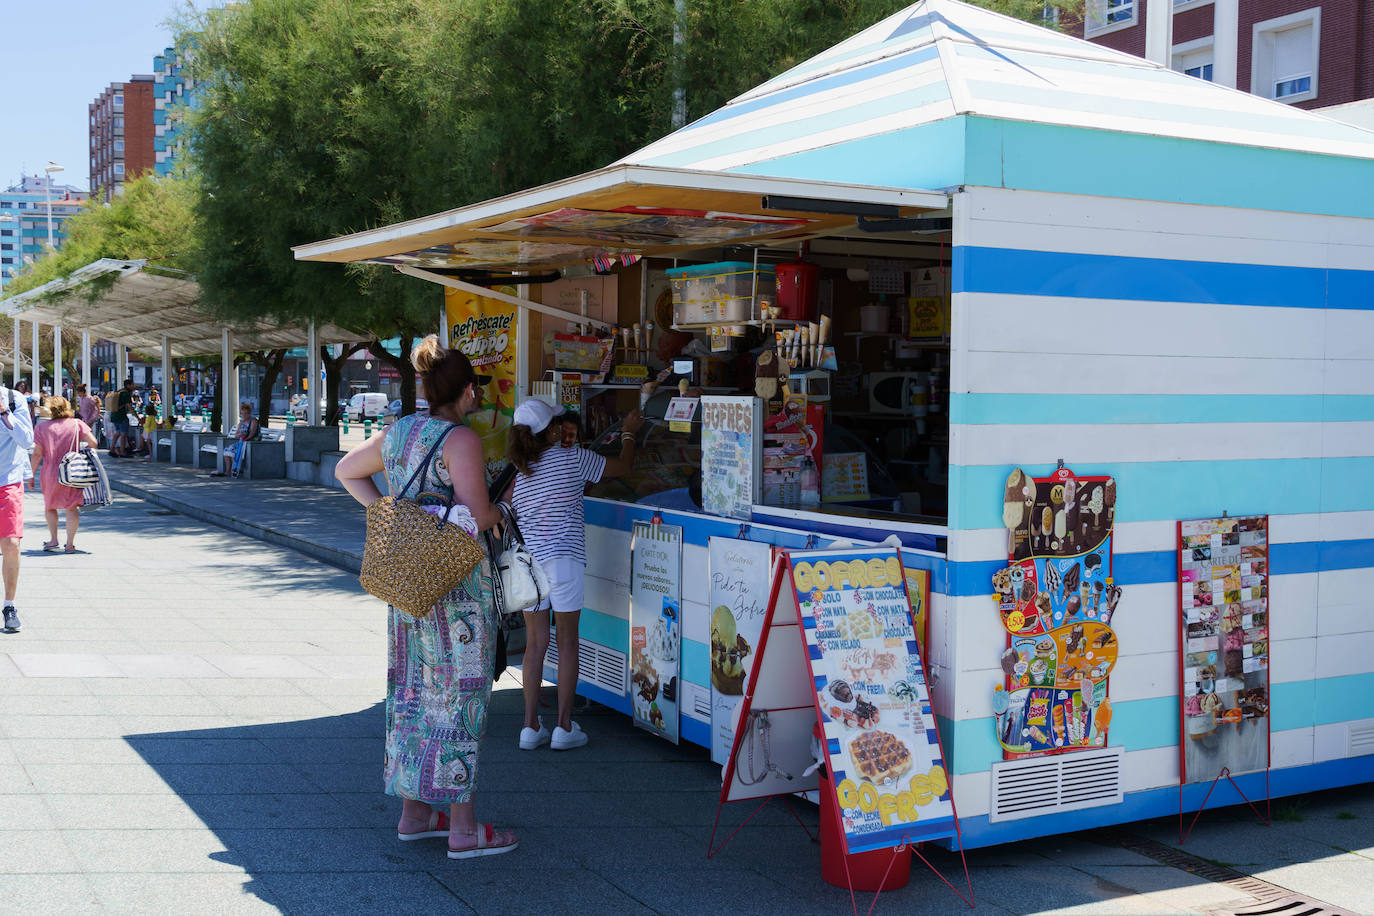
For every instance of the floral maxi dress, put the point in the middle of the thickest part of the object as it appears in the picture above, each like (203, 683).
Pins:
(440, 666)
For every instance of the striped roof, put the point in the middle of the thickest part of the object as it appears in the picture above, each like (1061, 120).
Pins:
(938, 59)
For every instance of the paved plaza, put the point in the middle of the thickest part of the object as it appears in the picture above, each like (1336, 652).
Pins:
(192, 723)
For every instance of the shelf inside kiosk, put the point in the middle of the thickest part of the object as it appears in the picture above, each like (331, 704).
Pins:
(844, 337)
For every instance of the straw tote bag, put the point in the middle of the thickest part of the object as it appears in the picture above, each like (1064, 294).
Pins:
(412, 559)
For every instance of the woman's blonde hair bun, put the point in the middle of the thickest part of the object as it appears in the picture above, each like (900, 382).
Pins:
(427, 354)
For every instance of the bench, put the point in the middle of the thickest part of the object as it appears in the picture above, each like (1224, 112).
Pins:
(264, 458)
(182, 442)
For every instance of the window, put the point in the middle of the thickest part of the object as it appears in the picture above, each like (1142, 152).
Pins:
(1181, 5)
(1285, 58)
(1194, 58)
(6, 247)
(119, 168)
(119, 100)
(1102, 16)
(6, 233)
(119, 146)
(119, 122)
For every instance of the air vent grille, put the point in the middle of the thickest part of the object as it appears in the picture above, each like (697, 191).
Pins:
(605, 667)
(1067, 782)
(1361, 738)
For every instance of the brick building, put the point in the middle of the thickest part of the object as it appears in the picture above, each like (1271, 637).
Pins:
(122, 132)
(1303, 52)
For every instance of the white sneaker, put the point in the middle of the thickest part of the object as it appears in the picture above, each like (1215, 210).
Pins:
(531, 738)
(564, 740)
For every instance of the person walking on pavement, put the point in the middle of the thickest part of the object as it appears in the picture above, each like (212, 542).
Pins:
(88, 409)
(16, 438)
(53, 440)
(441, 665)
(547, 499)
(122, 416)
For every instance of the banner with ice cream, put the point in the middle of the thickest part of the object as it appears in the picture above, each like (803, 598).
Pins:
(486, 332)
(1056, 600)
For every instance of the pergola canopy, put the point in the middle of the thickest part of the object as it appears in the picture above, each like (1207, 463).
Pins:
(142, 306)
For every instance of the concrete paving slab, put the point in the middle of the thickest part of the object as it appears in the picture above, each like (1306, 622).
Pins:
(50, 893)
(62, 750)
(1170, 886)
(144, 894)
(201, 749)
(171, 851)
(35, 852)
(279, 812)
(8, 669)
(101, 778)
(37, 726)
(1343, 883)
(258, 666)
(22, 812)
(166, 666)
(65, 664)
(338, 850)
(121, 812)
(314, 894)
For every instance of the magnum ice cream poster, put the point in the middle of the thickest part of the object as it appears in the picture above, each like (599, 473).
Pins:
(1056, 601)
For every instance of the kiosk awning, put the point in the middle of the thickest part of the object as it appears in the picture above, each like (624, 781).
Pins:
(139, 307)
(623, 210)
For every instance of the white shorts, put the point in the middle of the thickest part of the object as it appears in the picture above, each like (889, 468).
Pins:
(565, 585)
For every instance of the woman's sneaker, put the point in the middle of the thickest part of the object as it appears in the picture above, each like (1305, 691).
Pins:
(564, 740)
(11, 619)
(531, 738)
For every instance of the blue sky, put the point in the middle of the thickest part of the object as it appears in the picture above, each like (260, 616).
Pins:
(57, 57)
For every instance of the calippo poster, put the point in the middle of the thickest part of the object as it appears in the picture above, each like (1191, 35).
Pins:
(1056, 602)
(486, 332)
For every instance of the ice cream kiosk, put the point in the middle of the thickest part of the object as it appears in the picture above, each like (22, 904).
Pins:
(1090, 341)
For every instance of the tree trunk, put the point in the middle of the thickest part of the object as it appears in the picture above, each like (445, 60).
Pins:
(271, 362)
(333, 378)
(403, 367)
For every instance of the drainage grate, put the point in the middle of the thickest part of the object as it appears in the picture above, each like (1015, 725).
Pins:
(1270, 899)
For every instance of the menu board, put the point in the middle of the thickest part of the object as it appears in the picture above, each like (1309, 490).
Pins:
(655, 626)
(730, 454)
(1056, 602)
(740, 582)
(844, 476)
(1224, 651)
(884, 754)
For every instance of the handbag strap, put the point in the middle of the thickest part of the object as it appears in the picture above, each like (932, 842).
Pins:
(76, 440)
(510, 530)
(422, 472)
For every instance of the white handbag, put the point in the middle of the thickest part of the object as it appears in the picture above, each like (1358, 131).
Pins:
(524, 585)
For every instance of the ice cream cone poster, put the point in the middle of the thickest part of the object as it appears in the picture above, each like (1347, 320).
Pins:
(885, 762)
(740, 582)
(486, 332)
(1224, 632)
(1056, 601)
(655, 627)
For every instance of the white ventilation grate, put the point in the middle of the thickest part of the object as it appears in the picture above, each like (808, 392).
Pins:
(597, 664)
(1044, 785)
(1361, 739)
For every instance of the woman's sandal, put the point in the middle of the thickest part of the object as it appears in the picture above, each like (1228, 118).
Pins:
(438, 827)
(486, 842)
(50, 547)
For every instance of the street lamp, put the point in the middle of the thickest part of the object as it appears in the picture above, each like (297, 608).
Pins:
(50, 168)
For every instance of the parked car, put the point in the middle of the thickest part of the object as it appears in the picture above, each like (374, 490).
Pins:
(300, 406)
(197, 403)
(367, 405)
(394, 408)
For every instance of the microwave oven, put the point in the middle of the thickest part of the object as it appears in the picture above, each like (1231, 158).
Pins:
(904, 393)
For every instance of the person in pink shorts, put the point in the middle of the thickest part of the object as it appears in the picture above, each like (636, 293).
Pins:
(53, 440)
(16, 438)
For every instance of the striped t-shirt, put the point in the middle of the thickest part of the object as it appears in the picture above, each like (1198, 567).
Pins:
(548, 502)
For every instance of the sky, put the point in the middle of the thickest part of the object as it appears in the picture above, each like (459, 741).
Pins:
(56, 56)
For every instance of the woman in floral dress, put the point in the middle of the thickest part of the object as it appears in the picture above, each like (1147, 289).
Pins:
(440, 666)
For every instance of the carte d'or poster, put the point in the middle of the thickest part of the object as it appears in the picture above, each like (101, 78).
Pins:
(1056, 601)
(885, 762)
(1224, 603)
(486, 332)
(740, 582)
(655, 627)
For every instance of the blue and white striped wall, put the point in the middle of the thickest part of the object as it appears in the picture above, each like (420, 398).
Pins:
(1211, 359)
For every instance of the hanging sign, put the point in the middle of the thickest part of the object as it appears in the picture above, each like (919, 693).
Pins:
(1056, 602)
(486, 332)
(739, 601)
(884, 756)
(731, 454)
(655, 626)
(680, 413)
(1224, 651)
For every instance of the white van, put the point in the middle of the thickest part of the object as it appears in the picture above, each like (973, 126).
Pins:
(367, 404)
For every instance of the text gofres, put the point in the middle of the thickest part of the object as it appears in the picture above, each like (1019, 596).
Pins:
(877, 572)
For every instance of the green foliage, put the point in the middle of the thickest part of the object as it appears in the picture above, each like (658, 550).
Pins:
(152, 219)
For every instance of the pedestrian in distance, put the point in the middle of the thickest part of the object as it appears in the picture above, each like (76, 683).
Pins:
(16, 438)
(88, 409)
(121, 419)
(547, 498)
(53, 440)
(246, 431)
(442, 664)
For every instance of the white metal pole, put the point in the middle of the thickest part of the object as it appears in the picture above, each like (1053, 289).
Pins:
(1159, 31)
(166, 378)
(35, 374)
(1225, 41)
(228, 384)
(121, 365)
(314, 389)
(522, 345)
(57, 359)
(18, 354)
(86, 360)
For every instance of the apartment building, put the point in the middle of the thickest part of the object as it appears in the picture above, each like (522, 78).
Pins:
(173, 95)
(1302, 52)
(24, 220)
(122, 134)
